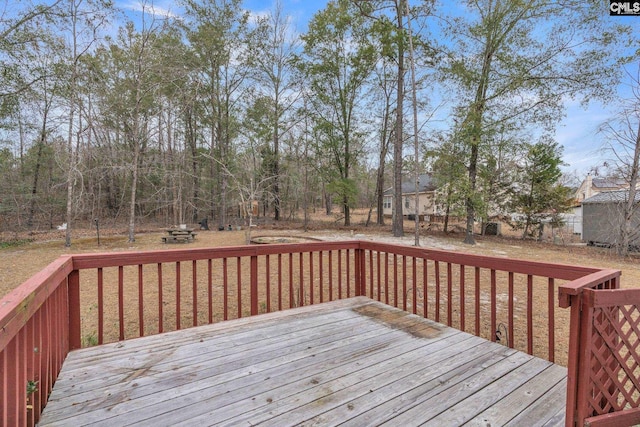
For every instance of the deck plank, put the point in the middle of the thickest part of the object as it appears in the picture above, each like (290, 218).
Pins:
(549, 410)
(403, 395)
(301, 400)
(351, 362)
(510, 406)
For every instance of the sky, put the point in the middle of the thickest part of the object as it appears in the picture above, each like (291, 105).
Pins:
(577, 132)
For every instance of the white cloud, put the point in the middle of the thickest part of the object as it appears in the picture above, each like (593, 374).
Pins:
(162, 9)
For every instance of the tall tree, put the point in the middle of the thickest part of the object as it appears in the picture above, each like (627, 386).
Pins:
(218, 32)
(449, 168)
(538, 195)
(339, 59)
(623, 142)
(84, 18)
(131, 71)
(273, 55)
(517, 61)
(397, 226)
(22, 28)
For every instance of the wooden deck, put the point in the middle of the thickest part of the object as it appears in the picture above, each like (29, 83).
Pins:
(353, 362)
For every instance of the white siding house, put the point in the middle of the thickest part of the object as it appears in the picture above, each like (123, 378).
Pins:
(426, 198)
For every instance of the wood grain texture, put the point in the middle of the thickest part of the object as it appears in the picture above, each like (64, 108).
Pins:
(352, 362)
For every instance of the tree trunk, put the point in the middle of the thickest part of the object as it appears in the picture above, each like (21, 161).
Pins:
(471, 212)
(631, 206)
(134, 187)
(36, 175)
(397, 217)
(276, 162)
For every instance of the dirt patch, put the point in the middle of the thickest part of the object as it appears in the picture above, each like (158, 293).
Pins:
(261, 240)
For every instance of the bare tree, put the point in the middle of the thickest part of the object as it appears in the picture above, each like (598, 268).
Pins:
(623, 142)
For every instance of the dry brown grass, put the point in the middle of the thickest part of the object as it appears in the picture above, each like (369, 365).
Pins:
(19, 262)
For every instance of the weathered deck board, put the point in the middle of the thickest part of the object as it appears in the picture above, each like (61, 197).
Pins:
(353, 362)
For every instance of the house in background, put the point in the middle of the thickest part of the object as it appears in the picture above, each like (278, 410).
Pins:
(426, 198)
(596, 185)
(590, 187)
(588, 190)
(602, 217)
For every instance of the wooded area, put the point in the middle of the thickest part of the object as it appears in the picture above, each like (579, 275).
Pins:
(177, 117)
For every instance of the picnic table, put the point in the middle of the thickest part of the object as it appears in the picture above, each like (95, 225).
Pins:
(179, 235)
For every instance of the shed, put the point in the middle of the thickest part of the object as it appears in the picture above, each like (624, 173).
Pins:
(602, 217)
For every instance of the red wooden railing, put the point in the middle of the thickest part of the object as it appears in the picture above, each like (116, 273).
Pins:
(93, 299)
(604, 381)
(34, 341)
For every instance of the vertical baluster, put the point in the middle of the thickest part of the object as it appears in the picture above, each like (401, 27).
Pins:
(494, 308)
(511, 317)
(160, 301)
(339, 274)
(463, 302)
(121, 301)
(268, 282)
(477, 299)
(321, 273)
(140, 300)
(30, 356)
(291, 280)
(239, 284)
(311, 284)
(371, 274)
(13, 393)
(386, 278)
(178, 288)
(425, 289)
(437, 274)
(395, 280)
(301, 287)
(404, 282)
(36, 366)
(348, 262)
(378, 274)
(415, 285)
(253, 285)
(330, 275)
(530, 314)
(210, 289)
(225, 288)
(100, 306)
(449, 294)
(280, 282)
(194, 290)
(552, 320)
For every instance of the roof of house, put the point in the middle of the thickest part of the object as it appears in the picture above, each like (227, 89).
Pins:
(608, 183)
(426, 182)
(612, 197)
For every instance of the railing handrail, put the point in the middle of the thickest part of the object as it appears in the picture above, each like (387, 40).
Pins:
(576, 286)
(520, 266)
(515, 265)
(97, 260)
(22, 304)
(17, 307)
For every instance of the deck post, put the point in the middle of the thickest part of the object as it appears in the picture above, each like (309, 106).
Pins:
(73, 289)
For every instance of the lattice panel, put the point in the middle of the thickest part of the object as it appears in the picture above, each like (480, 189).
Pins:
(615, 359)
